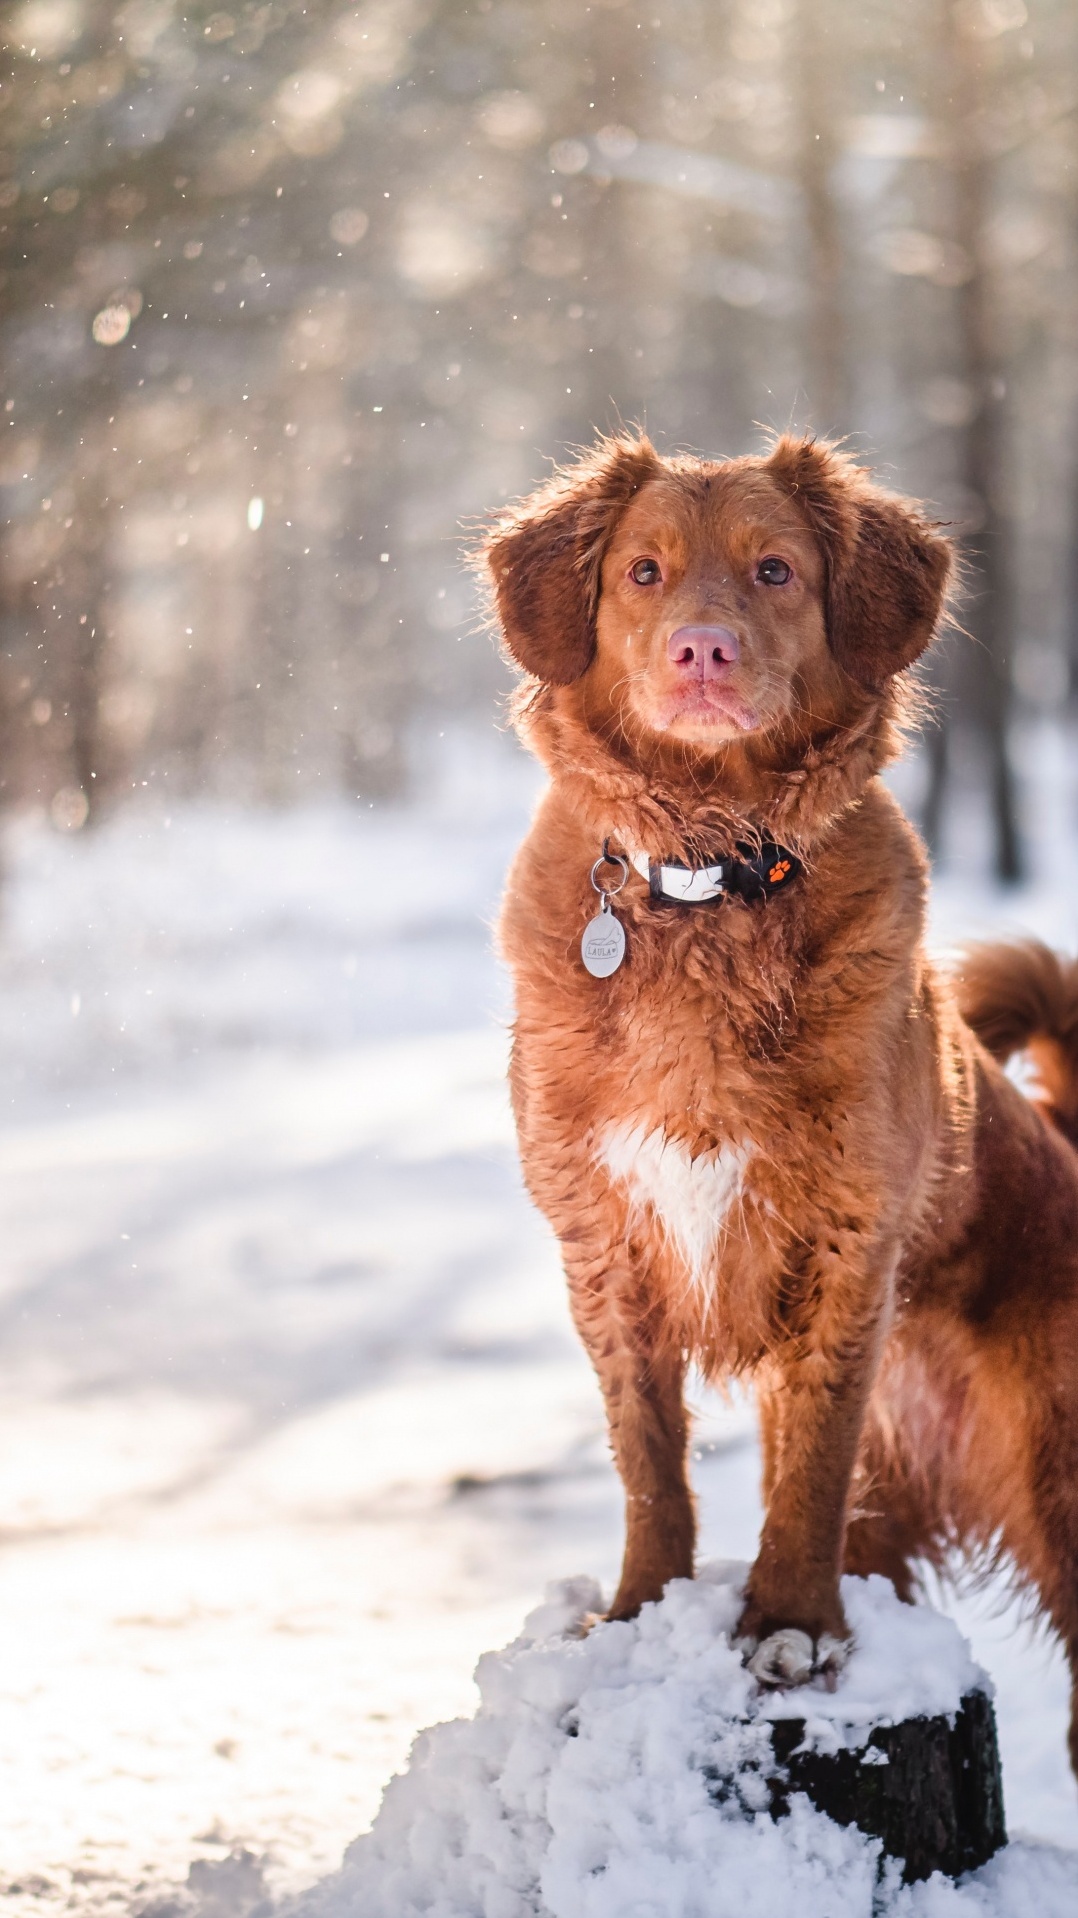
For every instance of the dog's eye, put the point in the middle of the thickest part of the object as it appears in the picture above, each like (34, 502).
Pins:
(774, 572)
(646, 572)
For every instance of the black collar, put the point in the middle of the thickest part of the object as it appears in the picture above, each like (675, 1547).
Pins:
(756, 873)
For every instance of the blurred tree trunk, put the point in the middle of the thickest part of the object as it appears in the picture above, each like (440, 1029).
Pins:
(826, 333)
(988, 608)
(937, 750)
(1071, 578)
(85, 709)
(72, 611)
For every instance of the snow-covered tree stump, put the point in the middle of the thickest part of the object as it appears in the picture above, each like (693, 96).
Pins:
(640, 1766)
(929, 1788)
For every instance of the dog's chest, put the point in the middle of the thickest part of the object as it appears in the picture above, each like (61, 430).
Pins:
(686, 1106)
(694, 1199)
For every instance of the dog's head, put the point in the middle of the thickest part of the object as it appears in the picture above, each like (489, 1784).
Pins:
(709, 603)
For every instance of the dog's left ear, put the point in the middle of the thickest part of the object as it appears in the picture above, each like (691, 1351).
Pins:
(887, 568)
(544, 557)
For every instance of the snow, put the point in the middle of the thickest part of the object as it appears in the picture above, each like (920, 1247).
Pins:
(293, 1422)
(585, 1786)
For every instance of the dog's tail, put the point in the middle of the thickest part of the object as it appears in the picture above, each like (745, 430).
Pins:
(1022, 997)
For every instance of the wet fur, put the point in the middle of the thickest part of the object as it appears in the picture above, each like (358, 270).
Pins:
(897, 1267)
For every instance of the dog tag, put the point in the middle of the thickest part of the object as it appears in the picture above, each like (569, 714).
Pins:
(603, 946)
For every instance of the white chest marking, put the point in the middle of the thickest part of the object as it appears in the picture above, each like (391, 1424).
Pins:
(691, 1198)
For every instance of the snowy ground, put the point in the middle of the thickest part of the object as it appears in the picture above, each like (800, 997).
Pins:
(293, 1422)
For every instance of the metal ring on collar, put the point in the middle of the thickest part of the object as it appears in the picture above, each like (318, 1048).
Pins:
(608, 858)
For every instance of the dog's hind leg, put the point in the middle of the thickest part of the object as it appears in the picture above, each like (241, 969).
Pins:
(895, 1526)
(903, 1517)
(970, 1450)
(1038, 1527)
(1040, 1530)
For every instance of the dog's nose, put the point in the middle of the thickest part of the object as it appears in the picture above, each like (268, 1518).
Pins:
(703, 652)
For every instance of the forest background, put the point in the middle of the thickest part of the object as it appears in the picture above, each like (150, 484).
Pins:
(291, 293)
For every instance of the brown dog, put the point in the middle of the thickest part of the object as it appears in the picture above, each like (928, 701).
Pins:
(768, 1140)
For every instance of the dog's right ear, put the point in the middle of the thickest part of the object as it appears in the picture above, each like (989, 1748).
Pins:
(544, 557)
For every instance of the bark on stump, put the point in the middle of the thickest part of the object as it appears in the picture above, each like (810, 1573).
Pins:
(932, 1791)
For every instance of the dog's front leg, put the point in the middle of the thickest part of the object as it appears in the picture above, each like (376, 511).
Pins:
(793, 1622)
(641, 1372)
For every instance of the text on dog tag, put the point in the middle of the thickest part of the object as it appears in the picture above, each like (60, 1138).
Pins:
(603, 946)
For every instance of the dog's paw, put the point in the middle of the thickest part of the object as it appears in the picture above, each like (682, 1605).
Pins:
(784, 1658)
(789, 1657)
